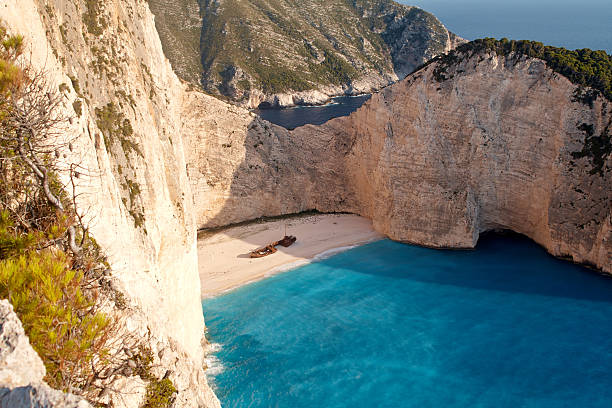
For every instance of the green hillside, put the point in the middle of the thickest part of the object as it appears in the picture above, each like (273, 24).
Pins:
(276, 46)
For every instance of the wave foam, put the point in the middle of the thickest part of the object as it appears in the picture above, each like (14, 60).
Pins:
(287, 267)
(331, 252)
(214, 366)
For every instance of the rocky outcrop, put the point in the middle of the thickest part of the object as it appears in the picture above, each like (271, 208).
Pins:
(495, 147)
(19, 363)
(22, 371)
(124, 104)
(285, 53)
(502, 144)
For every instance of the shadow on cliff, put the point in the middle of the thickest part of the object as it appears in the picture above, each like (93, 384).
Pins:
(509, 263)
(283, 174)
(262, 190)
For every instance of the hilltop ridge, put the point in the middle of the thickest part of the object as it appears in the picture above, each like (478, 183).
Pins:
(283, 52)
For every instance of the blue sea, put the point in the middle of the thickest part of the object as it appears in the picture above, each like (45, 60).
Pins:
(562, 23)
(394, 325)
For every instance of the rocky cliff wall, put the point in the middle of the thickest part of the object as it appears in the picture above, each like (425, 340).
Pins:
(124, 104)
(498, 146)
(502, 144)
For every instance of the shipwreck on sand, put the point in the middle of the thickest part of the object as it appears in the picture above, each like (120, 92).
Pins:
(287, 241)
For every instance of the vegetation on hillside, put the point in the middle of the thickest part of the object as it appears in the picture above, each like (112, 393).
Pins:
(583, 67)
(279, 46)
(179, 25)
(48, 265)
(59, 317)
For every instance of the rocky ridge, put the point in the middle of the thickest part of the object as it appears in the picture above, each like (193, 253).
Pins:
(431, 161)
(283, 53)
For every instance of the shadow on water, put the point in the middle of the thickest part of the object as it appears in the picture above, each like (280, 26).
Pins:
(505, 262)
(292, 118)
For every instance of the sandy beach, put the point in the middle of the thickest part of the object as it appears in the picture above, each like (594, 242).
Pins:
(224, 255)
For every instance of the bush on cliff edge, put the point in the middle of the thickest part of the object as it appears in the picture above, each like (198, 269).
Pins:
(60, 320)
(47, 276)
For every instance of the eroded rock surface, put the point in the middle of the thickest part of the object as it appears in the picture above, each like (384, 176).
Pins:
(431, 163)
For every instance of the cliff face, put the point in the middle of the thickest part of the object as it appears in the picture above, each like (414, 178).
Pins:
(497, 146)
(124, 103)
(283, 53)
(503, 144)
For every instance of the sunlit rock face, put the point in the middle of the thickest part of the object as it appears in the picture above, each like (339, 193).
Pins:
(124, 104)
(499, 145)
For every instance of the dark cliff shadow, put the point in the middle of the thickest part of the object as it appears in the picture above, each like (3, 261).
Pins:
(263, 190)
(283, 175)
(503, 262)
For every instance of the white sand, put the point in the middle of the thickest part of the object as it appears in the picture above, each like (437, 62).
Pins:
(224, 256)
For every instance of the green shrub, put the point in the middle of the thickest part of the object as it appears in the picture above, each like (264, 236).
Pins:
(10, 48)
(93, 18)
(78, 107)
(60, 320)
(75, 84)
(116, 127)
(584, 67)
(159, 394)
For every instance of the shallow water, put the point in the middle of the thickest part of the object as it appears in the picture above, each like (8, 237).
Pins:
(393, 325)
(315, 115)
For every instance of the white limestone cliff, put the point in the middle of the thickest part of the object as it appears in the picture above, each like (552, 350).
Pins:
(432, 163)
(125, 105)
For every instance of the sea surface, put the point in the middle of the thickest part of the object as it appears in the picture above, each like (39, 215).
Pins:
(394, 325)
(562, 23)
(299, 116)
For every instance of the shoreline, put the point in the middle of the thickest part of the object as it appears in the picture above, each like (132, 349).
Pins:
(319, 236)
(330, 102)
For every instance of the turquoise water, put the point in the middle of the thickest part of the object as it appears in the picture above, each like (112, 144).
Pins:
(393, 325)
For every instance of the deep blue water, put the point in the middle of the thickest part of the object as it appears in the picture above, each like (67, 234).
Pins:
(393, 325)
(563, 23)
(315, 115)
